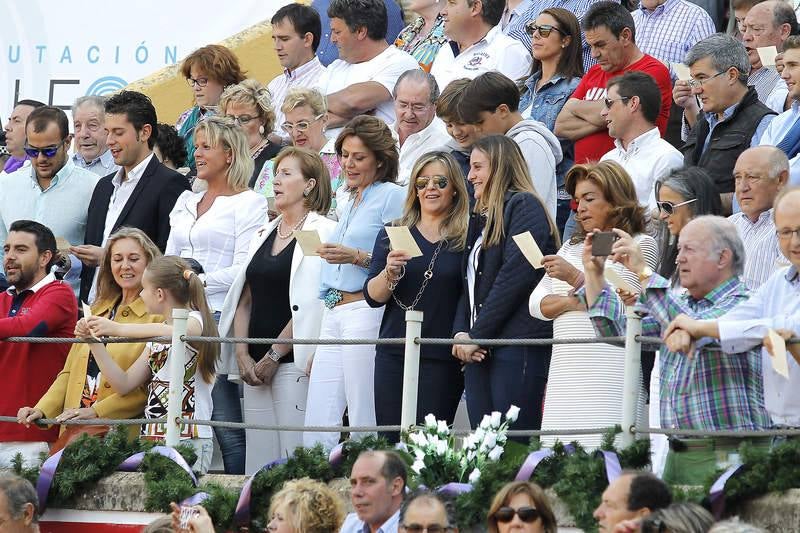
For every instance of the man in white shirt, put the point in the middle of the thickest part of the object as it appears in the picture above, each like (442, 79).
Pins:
(767, 24)
(363, 78)
(478, 44)
(296, 31)
(377, 488)
(417, 128)
(52, 190)
(784, 130)
(89, 122)
(760, 174)
(630, 111)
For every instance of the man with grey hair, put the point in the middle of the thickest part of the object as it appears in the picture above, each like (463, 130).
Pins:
(417, 128)
(732, 117)
(704, 390)
(760, 174)
(89, 144)
(19, 505)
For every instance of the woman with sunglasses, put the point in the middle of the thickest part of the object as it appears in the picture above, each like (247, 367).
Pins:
(497, 280)
(249, 105)
(684, 194)
(606, 199)
(342, 377)
(436, 213)
(557, 69)
(521, 506)
(208, 70)
(306, 117)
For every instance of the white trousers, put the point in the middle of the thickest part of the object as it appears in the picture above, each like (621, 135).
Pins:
(283, 402)
(343, 376)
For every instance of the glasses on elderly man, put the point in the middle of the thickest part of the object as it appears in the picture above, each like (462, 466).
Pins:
(669, 207)
(695, 84)
(301, 125)
(431, 528)
(785, 234)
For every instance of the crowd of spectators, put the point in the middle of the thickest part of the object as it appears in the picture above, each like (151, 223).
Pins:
(573, 121)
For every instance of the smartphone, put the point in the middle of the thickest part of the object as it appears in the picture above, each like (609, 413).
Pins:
(602, 243)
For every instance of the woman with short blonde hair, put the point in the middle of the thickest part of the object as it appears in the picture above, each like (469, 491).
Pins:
(249, 105)
(214, 227)
(306, 506)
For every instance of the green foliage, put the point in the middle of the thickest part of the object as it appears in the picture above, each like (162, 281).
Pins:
(471, 507)
(220, 504)
(165, 481)
(27, 472)
(353, 448)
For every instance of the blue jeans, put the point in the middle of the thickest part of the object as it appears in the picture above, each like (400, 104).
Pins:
(226, 396)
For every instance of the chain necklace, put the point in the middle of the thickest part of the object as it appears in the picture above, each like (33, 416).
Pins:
(295, 228)
(428, 275)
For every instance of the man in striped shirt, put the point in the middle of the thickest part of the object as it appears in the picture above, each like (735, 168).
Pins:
(707, 390)
(760, 173)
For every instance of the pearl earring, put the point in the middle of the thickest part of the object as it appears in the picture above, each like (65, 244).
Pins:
(261, 129)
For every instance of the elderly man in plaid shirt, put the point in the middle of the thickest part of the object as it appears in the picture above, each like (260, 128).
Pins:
(706, 390)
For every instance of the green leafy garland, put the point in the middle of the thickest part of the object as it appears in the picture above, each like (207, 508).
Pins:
(578, 478)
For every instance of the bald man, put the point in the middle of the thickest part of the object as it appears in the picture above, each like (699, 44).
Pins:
(759, 175)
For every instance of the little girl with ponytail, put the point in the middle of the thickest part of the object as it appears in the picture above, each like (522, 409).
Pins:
(168, 283)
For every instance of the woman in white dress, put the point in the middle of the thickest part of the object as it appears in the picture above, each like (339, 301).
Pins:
(585, 382)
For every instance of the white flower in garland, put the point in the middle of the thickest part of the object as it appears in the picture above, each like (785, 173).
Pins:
(496, 419)
(430, 422)
(512, 414)
(496, 452)
(441, 448)
(418, 466)
(474, 475)
(442, 428)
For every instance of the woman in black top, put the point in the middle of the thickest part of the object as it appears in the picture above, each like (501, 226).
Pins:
(436, 213)
(497, 281)
(249, 104)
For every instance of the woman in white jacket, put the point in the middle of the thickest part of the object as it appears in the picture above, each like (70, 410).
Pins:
(276, 295)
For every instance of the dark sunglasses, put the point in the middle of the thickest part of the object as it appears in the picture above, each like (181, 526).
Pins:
(423, 181)
(543, 29)
(526, 514)
(669, 207)
(48, 151)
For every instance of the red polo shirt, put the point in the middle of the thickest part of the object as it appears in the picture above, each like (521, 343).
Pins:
(48, 309)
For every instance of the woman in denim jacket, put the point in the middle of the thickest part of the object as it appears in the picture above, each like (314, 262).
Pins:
(557, 69)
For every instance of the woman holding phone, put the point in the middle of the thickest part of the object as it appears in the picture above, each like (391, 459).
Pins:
(606, 199)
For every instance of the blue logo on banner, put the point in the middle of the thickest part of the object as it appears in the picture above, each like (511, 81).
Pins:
(106, 85)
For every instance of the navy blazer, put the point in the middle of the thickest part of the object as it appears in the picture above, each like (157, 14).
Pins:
(504, 278)
(148, 209)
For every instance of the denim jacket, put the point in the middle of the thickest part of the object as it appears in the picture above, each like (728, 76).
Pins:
(545, 106)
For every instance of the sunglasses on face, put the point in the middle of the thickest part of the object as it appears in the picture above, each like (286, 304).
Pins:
(608, 102)
(526, 514)
(440, 181)
(669, 207)
(48, 151)
(543, 29)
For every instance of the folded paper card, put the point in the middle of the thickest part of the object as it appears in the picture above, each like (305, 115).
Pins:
(767, 55)
(681, 71)
(309, 241)
(401, 239)
(62, 244)
(613, 277)
(779, 362)
(529, 248)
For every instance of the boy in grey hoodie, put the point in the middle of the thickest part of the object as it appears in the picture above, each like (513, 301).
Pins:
(491, 103)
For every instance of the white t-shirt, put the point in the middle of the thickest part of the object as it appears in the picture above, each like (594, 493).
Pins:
(384, 68)
(418, 144)
(496, 51)
(196, 396)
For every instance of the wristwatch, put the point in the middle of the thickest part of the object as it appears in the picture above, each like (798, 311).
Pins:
(367, 260)
(275, 356)
(645, 274)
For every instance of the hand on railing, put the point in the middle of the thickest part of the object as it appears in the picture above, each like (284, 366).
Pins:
(83, 413)
(468, 353)
(28, 415)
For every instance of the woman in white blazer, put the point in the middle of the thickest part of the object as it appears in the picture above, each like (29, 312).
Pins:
(276, 295)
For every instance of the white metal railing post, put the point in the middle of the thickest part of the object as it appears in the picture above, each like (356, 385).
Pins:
(177, 359)
(632, 379)
(408, 415)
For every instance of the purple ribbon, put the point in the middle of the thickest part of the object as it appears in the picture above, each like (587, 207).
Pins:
(132, 463)
(717, 492)
(613, 468)
(46, 475)
(242, 514)
(453, 489)
(195, 499)
(530, 464)
(337, 455)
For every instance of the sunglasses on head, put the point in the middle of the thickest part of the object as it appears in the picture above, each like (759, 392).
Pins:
(669, 207)
(423, 181)
(48, 151)
(543, 29)
(526, 514)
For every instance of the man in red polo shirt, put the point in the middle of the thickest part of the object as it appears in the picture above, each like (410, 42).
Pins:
(35, 305)
(609, 30)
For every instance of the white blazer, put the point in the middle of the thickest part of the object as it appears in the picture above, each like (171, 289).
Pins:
(304, 297)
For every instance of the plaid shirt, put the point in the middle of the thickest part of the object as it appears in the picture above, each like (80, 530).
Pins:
(670, 30)
(710, 391)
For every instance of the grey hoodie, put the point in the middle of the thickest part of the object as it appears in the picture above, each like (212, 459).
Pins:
(542, 152)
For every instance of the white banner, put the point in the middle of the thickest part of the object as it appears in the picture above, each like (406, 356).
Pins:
(57, 50)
